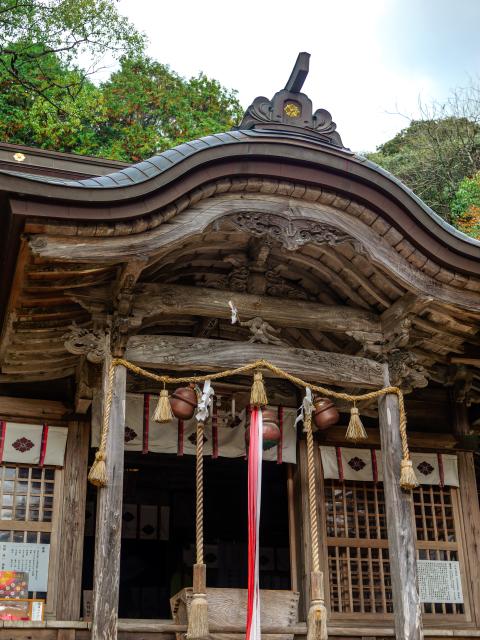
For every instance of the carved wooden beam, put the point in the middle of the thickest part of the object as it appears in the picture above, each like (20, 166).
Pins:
(123, 297)
(290, 222)
(83, 387)
(398, 339)
(410, 303)
(160, 299)
(200, 354)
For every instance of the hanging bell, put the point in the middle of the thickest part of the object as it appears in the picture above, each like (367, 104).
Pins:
(183, 402)
(270, 431)
(325, 413)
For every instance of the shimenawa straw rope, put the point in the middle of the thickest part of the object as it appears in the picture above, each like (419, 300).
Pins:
(98, 471)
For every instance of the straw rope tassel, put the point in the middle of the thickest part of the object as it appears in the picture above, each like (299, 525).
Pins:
(98, 472)
(355, 430)
(163, 410)
(198, 614)
(317, 613)
(258, 396)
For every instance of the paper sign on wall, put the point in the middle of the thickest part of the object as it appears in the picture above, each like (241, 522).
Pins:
(30, 558)
(439, 581)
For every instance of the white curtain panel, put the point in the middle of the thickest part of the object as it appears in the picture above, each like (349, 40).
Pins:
(163, 438)
(358, 464)
(23, 443)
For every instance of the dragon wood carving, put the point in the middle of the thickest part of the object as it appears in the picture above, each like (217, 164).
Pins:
(90, 343)
(292, 233)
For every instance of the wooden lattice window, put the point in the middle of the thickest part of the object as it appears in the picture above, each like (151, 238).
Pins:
(29, 501)
(437, 538)
(358, 563)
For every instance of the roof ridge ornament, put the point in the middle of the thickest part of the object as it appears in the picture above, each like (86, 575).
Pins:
(290, 111)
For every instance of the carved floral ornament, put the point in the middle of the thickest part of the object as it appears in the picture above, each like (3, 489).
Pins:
(287, 110)
(237, 280)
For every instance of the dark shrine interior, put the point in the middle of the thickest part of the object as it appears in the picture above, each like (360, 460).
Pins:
(157, 557)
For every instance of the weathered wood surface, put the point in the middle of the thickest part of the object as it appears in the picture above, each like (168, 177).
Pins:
(329, 265)
(201, 354)
(35, 411)
(470, 515)
(304, 543)
(165, 630)
(400, 525)
(28, 634)
(474, 362)
(292, 529)
(279, 222)
(72, 523)
(161, 299)
(227, 607)
(407, 304)
(106, 581)
(417, 440)
(470, 510)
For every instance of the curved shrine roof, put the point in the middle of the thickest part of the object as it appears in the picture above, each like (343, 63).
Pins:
(324, 224)
(289, 154)
(147, 170)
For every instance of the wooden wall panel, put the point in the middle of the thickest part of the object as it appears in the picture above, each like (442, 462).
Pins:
(471, 525)
(72, 522)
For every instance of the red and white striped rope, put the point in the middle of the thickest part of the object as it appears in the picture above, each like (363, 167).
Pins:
(255, 450)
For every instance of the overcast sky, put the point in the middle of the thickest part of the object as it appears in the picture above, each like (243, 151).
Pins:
(371, 59)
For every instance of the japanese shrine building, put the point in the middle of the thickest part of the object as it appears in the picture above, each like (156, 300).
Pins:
(342, 277)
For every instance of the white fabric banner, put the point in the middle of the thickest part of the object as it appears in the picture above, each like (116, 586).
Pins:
(22, 443)
(56, 443)
(26, 442)
(348, 463)
(164, 438)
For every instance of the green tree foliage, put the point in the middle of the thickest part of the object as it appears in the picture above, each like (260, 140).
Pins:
(466, 206)
(48, 100)
(88, 30)
(55, 120)
(434, 154)
(149, 108)
(142, 109)
(432, 157)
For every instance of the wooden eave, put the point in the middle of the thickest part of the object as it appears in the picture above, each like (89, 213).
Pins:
(145, 187)
(79, 235)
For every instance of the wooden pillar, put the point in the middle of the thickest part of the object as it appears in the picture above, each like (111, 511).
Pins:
(470, 522)
(304, 548)
(302, 526)
(470, 509)
(292, 529)
(400, 525)
(109, 512)
(72, 522)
